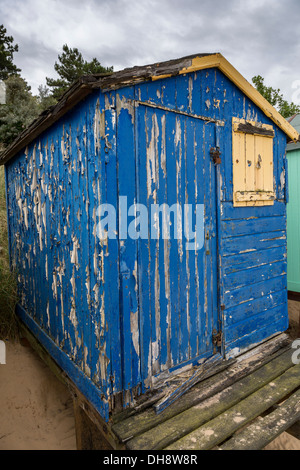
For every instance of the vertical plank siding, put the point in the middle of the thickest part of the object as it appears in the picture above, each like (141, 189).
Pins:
(293, 245)
(125, 310)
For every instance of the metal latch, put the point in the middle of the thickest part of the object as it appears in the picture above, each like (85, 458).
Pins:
(216, 339)
(215, 155)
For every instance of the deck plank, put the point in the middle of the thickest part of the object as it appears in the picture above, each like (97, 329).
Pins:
(178, 426)
(225, 424)
(259, 434)
(138, 423)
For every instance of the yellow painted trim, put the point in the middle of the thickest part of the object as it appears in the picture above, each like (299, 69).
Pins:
(205, 62)
(160, 77)
(250, 196)
(258, 99)
(253, 203)
(217, 60)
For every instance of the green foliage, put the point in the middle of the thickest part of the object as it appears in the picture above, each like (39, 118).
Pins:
(275, 98)
(45, 99)
(7, 49)
(21, 106)
(70, 67)
(20, 110)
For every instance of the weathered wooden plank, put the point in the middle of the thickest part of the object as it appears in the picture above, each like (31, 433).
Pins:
(173, 123)
(162, 254)
(235, 228)
(254, 291)
(181, 424)
(250, 128)
(254, 275)
(264, 430)
(171, 109)
(111, 274)
(143, 255)
(218, 429)
(201, 373)
(128, 253)
(252, 259)
(201, 171)
(256, 322)
(250, 242)
(257, 336)
(183, 273)
(80, 238)
(139, 74)
(151, 161)
(246, 310)
(191, 183)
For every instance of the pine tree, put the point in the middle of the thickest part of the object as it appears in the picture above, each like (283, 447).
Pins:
(70, 66)
(7, 50)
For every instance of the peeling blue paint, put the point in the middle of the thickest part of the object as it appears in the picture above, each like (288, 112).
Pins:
(121, 313)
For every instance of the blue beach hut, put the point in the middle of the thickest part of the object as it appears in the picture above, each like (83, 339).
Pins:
(147, 224)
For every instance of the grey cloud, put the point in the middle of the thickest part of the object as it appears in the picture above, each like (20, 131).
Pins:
(251, 35)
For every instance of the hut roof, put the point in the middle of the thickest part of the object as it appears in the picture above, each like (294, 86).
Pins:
(130, 76)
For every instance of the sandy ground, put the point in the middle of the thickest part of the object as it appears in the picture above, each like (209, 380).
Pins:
(35, 408)
(36, 411)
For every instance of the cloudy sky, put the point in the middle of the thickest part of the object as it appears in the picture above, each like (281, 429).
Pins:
(257, 36)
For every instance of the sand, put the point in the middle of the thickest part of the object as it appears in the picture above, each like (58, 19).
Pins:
(36, 411)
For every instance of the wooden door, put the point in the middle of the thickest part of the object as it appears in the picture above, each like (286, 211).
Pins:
(177, 284)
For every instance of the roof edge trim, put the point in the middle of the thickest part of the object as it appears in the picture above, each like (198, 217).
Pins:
(217, 60)
(86, 84)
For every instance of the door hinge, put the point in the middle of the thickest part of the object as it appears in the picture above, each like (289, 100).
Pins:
(216, 339)
(215, 155)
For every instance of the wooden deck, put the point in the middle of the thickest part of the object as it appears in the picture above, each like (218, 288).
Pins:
(242, 404)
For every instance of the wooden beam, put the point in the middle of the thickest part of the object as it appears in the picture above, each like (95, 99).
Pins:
(88, 436)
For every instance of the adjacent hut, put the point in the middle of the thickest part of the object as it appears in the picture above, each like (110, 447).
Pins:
(293, 214)
(121, 296)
